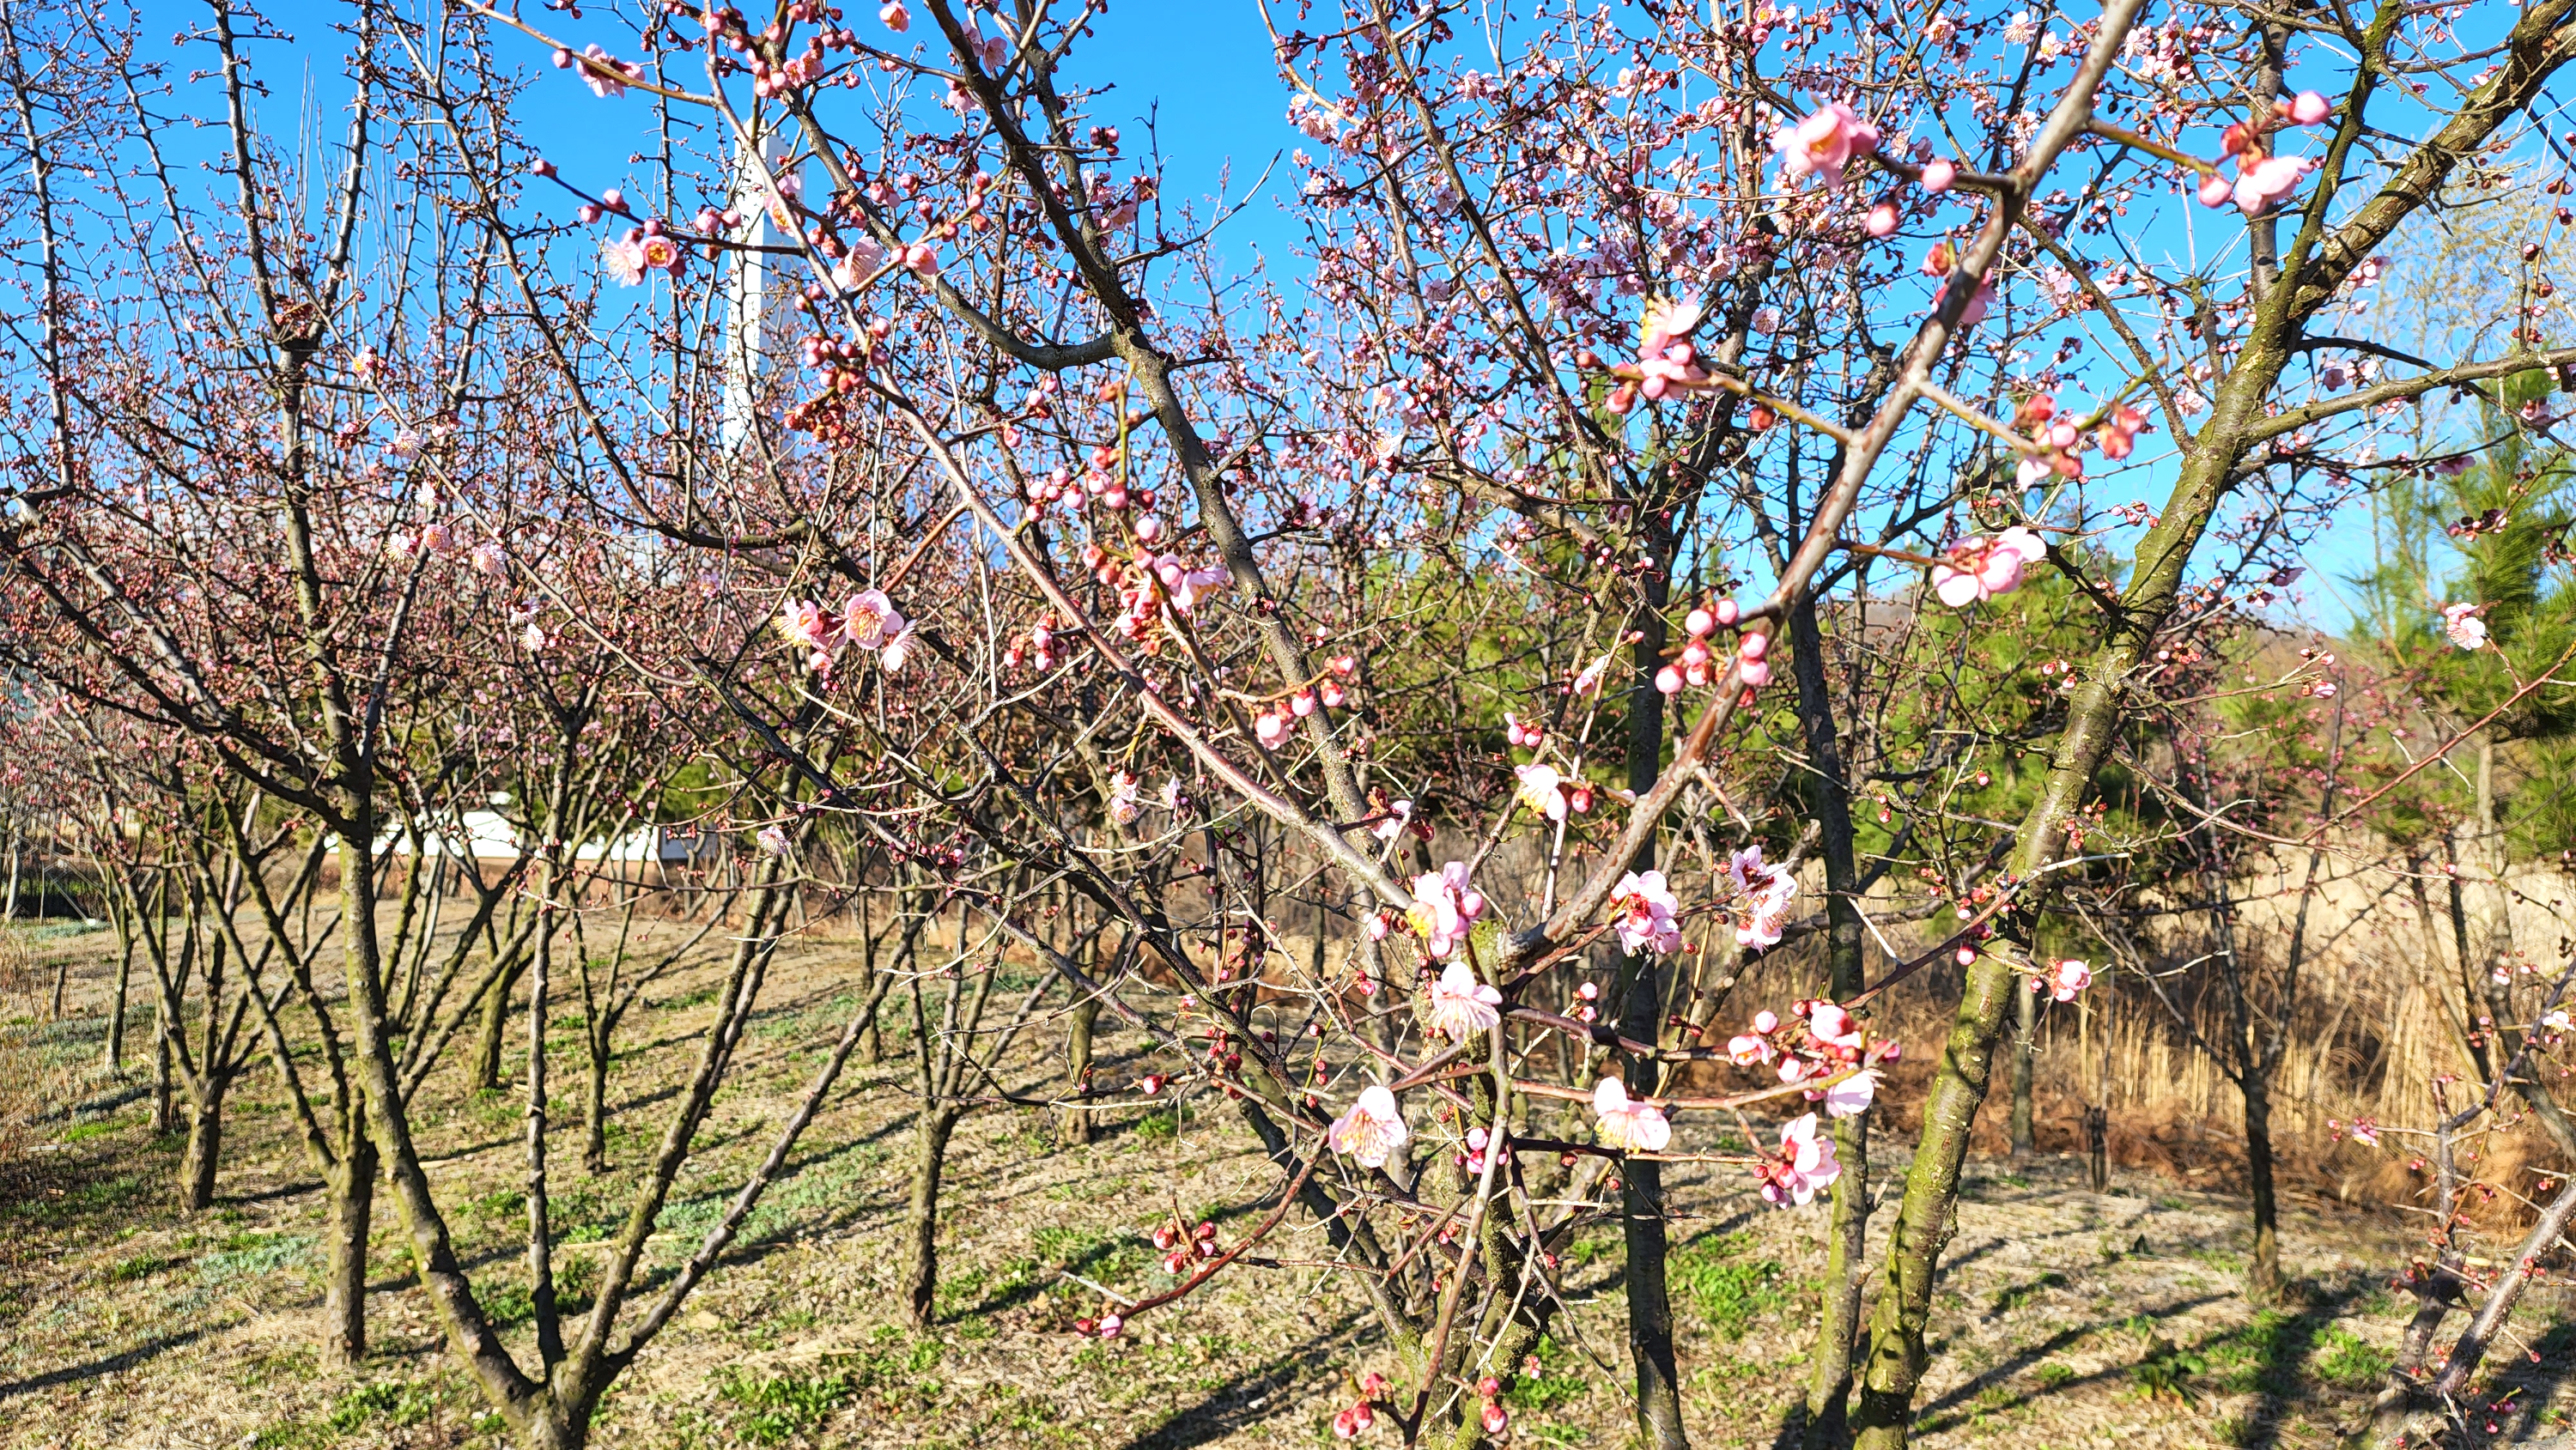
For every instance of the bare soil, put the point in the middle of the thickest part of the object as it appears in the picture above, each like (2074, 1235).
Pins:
(2065, 1318)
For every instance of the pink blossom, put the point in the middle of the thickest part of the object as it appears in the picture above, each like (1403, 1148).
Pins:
(1939, 173)
(862, 261)
(2461, 623)
(1542, 789)
(1975, 311)
(1630, 1127)
(869, 620)
(1461, 1006)
(896, 18)
(1806, 1164)
(1824, 143)
(773, 840)
(533, 638)
(1979, 569)
(489, 559)
(2270, 179)
(1371, 1130)
(1749, 1049)
(897, 650)
(1663, 323)
(1762, 899)
(623, 261)
(1852, 1096)
(1881, 220)
(605, 74)
(1830, 1024)
(1122, 797)
(1646, 906)
(438, 539)
(2307, 108)
(809, 624)
(2070, 978)
(2365, 1131)
(1444, 906)
(1397, 813)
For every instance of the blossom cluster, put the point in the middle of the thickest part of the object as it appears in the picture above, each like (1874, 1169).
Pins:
(1819, 1040)
(868, 620)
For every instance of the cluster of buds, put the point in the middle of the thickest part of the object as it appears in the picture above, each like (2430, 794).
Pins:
(1493, 1416)
(1351, 1422)
(1445, 908)
(1116, 210)
(1036, 650)
(1820, 1040)
(1523, 737)
(1697, 665)
(2261, 177)
(1472, 1156)
(1107, 1326)
(1181, 1246)
(2364, 1131)
(1272, 725)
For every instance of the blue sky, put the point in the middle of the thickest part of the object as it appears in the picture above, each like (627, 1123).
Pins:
(1201, 70)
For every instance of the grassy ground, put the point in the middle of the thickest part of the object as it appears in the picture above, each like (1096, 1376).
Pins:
(2066, 1318)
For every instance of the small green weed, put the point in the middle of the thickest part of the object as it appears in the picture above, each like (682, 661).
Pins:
(2017, 1295)
(141, 1266)
(392, 1403)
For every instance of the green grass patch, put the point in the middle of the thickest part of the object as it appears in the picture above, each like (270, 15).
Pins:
(773, 1409)
(2348, 1362)
(1730, 1291)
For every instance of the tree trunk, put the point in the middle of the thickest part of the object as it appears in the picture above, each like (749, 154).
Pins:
(486, 1064)
(1838, 1320)
(1897, 1353)
(594, 1112)
(165, 1115)
(921, 1216)
(1073, 1123)
(116, 1007)
(205, 1146)
(2263, 1280)
(2097, 1149)
(2025, 1042)
(344, 1295)
(1641, 1221)
(10, 912)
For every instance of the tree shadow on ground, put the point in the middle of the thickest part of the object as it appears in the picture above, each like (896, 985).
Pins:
(1240, 1402)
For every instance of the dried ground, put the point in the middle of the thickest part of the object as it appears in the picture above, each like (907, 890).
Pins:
(2066, 1318)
